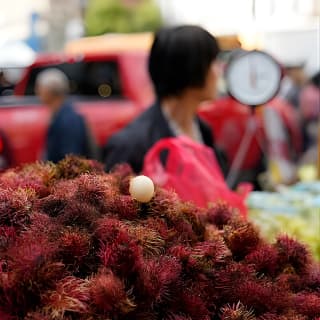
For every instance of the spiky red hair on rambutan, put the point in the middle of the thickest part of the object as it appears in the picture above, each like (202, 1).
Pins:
(16, 207)
(236, 312)
(108, 295)
(307, 304)
(74, 247)
(30, 269)
(123, 173)
(70, 295)
(118, 251)
(241, 237)
(191, 303)
(264, 259)
(72, 167)
(37, 176)
(292, 255)
(177, 317)
(157, 277)
(7, 236)
(219, 215)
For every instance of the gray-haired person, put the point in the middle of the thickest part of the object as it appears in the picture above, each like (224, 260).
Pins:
(67, 132)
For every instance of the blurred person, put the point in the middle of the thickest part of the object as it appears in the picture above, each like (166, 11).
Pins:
(310, 107)
(292, 84)
(310, 113)
(183, 71)
(67, 132)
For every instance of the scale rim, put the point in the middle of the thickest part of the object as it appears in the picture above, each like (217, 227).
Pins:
(235, 59)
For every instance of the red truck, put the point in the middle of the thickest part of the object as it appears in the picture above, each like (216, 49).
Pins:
(108, 89)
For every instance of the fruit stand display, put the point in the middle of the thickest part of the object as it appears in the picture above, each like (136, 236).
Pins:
(75, 243)
(293, 210)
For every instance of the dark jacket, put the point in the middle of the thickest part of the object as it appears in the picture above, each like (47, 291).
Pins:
(66, 134)
(132, 143)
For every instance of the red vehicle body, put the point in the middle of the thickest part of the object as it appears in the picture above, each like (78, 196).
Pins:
(24, 120)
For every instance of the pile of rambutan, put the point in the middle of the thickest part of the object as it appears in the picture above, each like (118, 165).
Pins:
(75, 245)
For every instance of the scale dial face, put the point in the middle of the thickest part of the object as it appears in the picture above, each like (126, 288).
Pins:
(253, 78)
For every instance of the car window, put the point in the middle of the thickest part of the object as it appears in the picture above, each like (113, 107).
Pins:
(88, 79)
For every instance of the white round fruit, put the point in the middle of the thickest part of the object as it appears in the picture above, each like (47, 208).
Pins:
(141, 188)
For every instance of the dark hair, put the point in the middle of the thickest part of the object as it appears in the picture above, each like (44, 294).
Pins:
(180, 58)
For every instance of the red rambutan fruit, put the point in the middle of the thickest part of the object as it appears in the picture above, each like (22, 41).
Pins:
(82, 215)
(29, 250)
(7, 236)
(177, 317)
(290, 281)
(264, 260)
(271, 316)
(16, 207)
(183, 231)
(122, 255)
(108, 295)
(263, 296)
(123, 173)
(160, 226)
(307, 304)
(293, 257)
(164, 203)
(141, 314)
(5, 316)
(212, 233)
(37, 176)
(211, 252)
(194, 215)
(31, 269)
(91, 190)
(191, 304)
(44, 224)
(241, 238)
(74, 246)
(21, 292)
(219, 215)
(70, 295)
(236, 312)
(123, 206)
(230, 277)
(65, 189)
(61, 193)
(288, 316)
(181, 218)
(149, 239)
(156, 276)
(37, 315)
(181, 252)
(71, 167)
(311, 280)
(51, 206)
(108, 229)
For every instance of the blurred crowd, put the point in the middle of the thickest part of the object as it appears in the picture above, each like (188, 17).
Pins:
(184, 78)
(303, 94)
